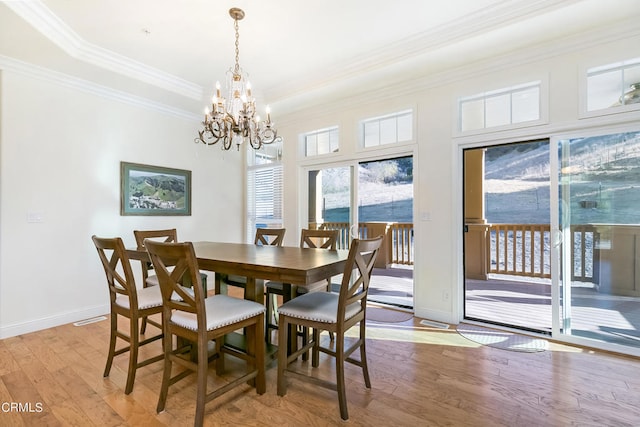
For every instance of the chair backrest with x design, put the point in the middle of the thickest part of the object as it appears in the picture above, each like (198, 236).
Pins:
(176, 265)
(269, 236)
(169, 235)
(322, 239)
(357, 275)
(117, 268)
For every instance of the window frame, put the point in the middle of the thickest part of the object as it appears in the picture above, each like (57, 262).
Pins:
(322, 131)
(396, 115)
(600, 68)
(543, 107)
(276, 190)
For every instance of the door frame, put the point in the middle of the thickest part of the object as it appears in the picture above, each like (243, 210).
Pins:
(303, 188)
(553, 134)
(559, 312)
(514, 322)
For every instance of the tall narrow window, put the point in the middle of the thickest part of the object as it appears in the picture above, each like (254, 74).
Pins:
(389, 129)
(264, 189)
(503, 107)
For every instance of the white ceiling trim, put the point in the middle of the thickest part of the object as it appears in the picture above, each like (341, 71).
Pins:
(55, 77)
(38, 15)
(386, 89)
(488, 19)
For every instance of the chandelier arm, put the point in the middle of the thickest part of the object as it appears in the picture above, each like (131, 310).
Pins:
(251, 137)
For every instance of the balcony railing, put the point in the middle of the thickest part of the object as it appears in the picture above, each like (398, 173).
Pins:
(519, 249)
(513, 249)
(525, 250)
(398, 248)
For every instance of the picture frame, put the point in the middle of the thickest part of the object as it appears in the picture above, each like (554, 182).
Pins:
(154, 190)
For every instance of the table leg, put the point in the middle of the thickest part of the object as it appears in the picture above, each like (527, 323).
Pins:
(292, 333)
(254, 290)
(220, 286)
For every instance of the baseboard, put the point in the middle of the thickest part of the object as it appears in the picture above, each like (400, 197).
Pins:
(52, 321)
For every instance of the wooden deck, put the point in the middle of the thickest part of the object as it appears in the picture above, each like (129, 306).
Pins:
(392, 286)
(526, 304)
(600, 316)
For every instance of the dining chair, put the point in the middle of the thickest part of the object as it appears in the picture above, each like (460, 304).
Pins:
(263, 237)
(320, 239)
(196, 319)
(334, 312)
(270, 236)
(127, 301)
(168, 236)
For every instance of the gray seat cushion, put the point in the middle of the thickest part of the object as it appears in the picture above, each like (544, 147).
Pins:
(318, 307)
(222, 310)
(152, 281)
(147, 298)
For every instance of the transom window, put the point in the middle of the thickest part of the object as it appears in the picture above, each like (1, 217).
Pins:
(613, 85)
(321, 141)
(388, 129)
(502, 107)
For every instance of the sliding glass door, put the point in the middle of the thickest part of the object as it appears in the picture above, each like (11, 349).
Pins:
(598, 238)
(364, 200)
(506, 235)
(552, 238)
(330, 198)
(385, 206)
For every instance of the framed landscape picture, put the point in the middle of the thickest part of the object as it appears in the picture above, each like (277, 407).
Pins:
(154, 190)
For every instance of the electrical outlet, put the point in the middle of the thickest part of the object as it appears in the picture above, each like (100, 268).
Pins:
(445, 295)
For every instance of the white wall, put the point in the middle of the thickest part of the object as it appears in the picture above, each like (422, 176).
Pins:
(437, 149)
(60, 150)
(60, 154)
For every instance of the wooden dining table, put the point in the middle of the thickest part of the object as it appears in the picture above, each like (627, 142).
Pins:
(292, 266)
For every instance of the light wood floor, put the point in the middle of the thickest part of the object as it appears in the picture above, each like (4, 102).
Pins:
(420, 376)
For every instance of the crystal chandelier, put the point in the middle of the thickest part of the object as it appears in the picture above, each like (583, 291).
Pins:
(234, 121)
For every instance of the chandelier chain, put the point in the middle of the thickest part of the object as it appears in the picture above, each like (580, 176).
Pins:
(237, 67)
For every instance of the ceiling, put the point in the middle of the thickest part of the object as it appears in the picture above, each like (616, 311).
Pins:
(172, 52)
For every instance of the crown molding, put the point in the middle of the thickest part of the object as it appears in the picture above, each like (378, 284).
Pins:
(487, 19)
(392, 86)
(39, 16)
(61, 79)
(498, 15)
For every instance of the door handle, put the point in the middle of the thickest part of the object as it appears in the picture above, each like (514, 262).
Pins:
(558, 238)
